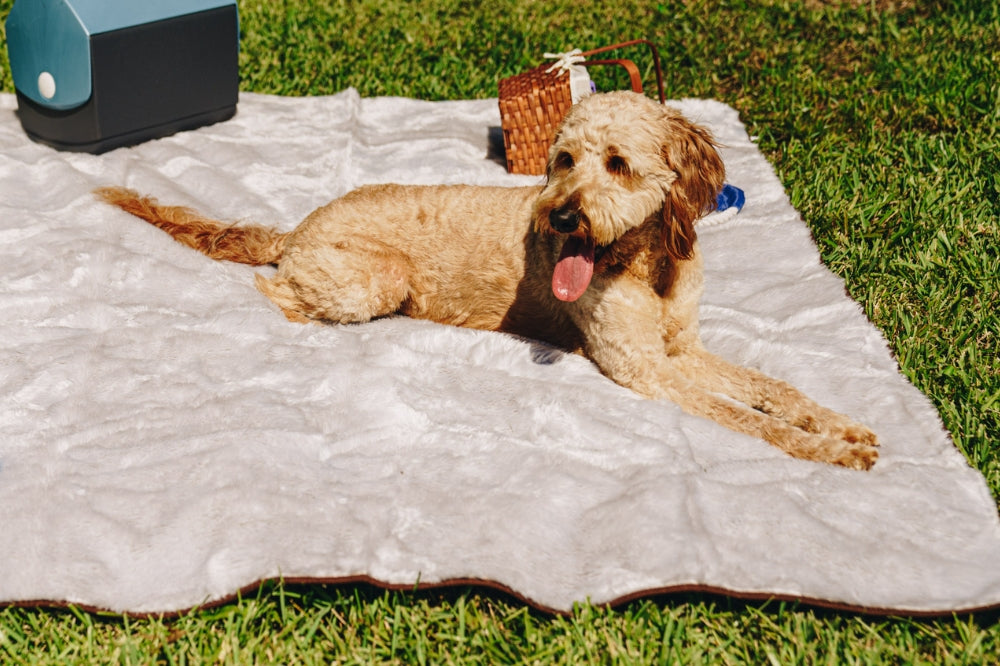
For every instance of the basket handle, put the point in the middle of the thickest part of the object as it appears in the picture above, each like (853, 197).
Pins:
(633, 71)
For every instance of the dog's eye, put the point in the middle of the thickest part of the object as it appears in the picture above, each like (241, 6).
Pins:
(617, 165)
(563, 161)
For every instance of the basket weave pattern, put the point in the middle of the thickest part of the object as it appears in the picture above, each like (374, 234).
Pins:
(533, 104)
(531, 107)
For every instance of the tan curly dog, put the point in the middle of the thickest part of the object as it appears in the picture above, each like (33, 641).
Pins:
(602, 260)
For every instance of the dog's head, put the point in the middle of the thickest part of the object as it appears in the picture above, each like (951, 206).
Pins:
(620, 161)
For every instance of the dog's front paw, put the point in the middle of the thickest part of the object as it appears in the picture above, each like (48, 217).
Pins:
(861, 435)
(840, 427)
(853, 455)
(850, 432)
(854, 433)
(831, 450)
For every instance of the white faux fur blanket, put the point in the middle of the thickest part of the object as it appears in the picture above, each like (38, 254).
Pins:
(168, 438)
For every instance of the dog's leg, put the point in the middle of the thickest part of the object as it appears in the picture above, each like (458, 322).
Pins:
(772, 396)
(670, 383)
(633, 356)
(350, 281)
(790, 439)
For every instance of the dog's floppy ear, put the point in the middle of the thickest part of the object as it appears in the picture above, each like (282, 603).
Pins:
(689, 151)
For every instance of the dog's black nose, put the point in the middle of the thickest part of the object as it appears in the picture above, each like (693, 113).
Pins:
(564, 220)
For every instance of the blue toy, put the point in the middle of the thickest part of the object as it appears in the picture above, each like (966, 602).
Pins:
(730, 197)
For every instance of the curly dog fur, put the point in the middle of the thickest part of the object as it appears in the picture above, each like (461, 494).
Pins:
(602, 260)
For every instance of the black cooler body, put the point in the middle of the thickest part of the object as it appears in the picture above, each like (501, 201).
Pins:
(92, 75)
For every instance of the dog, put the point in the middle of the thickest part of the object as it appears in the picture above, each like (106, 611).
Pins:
(602, 260)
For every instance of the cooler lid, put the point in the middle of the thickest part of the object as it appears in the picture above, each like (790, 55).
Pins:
(48, 41)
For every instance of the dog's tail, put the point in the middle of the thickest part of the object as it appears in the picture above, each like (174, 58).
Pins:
(252, 245)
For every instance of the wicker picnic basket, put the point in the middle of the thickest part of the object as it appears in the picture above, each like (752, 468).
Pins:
(533, 104)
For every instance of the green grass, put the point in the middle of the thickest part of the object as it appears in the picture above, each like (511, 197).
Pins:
(315, 625)
(882, 119)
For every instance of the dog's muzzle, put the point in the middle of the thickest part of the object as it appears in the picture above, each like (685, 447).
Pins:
(565, 220)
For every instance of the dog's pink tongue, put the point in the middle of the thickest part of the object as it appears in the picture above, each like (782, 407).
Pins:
(574, 269)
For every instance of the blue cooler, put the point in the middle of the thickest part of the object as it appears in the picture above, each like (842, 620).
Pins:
(92, 75)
